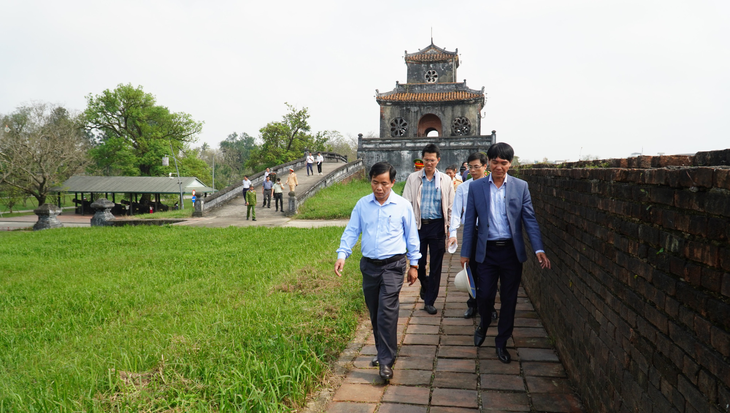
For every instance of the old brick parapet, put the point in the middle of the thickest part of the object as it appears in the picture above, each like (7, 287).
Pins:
(638, 300)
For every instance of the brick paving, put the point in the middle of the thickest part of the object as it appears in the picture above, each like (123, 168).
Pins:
(439, 370)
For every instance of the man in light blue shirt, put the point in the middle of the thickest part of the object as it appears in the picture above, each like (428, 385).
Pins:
(389, 233)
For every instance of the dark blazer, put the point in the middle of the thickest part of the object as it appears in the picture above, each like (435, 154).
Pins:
(519, 213)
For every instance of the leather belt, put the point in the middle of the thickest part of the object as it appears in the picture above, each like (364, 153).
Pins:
(431, 221)
(499, 243)
(385, 261)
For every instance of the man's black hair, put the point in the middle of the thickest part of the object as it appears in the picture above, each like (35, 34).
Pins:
(431, 148)
(452, 167)
(381, 168)
(477, 155)
(501, 150)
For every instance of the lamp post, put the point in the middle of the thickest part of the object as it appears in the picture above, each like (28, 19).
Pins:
(166, 162)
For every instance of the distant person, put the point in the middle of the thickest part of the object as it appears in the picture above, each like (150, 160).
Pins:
(503, 206)
(455, 178)
(266, 188)
(320, 160)
(431, 195)
(464, 170)
(278, 194)
(417, 165)
(267, 172)
(383, 263)
(246, 185)
(310, 163)
(251, 203)
(292, 181)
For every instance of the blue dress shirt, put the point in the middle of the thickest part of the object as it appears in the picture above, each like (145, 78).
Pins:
(459, 208)
(387, 230)
(498, 224)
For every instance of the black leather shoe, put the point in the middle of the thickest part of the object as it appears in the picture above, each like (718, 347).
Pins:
(430, 309)
(503, 355)
(470, 312)
(479, 336)
(495, 315)
(374, 362)
(385, 372)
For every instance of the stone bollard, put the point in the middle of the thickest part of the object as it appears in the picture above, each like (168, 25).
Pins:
(199, 205)
(103, 214)
(292, 204)
(47, 217)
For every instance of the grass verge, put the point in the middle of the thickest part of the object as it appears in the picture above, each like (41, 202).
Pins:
(338, 200)
(170, 318)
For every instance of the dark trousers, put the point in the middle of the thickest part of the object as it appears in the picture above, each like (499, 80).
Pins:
(500, 264)
(267, 197)
(310, 169)
(278, 200)
(319, 167)
(433, 238)
(473, 264)
(381, 285)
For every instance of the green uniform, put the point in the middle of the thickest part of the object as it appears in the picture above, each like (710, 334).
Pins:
(251, 208)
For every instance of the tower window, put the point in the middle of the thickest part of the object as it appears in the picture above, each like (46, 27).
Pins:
(461, 126)
(432, 76)
(398, 127)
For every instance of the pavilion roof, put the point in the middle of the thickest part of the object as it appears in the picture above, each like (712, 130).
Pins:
(132, 184)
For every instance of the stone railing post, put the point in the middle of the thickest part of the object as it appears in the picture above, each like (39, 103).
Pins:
(47, 217)
(103, 214)
(292, 204)
(199, 207)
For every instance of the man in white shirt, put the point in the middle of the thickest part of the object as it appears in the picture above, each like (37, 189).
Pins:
(310, 163)
(246, 185)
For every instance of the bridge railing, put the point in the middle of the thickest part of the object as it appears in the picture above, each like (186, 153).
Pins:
(220, 198)
(338, 175)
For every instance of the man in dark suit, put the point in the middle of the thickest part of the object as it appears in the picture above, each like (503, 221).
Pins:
(503, 203)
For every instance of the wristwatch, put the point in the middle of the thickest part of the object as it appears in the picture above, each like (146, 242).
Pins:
(414, 266)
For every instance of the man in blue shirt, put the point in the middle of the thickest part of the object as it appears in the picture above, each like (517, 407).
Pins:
(477, 162)
(389, 232)
(503, 206)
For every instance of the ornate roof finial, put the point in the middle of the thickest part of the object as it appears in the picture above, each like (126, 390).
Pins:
(431, 35)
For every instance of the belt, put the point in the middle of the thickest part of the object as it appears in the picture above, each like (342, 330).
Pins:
(431, 221)
(385, 261)
(499, 243)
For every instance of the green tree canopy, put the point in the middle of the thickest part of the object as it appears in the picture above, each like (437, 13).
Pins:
(41, 145)
(286, 140)
(133, 133)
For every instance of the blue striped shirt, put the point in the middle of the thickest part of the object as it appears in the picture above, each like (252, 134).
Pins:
(430, 197)
(498, 224)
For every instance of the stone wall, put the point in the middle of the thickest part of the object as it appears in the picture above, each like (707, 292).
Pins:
(638, 300)
(342, 174)
(400, 152)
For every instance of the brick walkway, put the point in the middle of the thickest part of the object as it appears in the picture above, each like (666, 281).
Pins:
(439, 370)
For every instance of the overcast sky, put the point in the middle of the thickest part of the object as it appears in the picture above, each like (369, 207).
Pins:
(563, 78)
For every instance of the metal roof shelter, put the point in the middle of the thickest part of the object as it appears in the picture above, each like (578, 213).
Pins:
(132, 185)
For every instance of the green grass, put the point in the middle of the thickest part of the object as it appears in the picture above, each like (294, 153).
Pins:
(170, 318)
(338, 200)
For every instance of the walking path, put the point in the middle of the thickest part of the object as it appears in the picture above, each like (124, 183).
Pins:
(439, 370)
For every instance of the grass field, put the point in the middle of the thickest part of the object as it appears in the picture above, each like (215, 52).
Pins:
(171, 319)
(338, 200)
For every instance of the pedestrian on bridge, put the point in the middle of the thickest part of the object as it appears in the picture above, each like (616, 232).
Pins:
(266, 189)
(389, 232)
(320, 160)
(310, 163)
(251, 203)
(278, 194)
(292, 180)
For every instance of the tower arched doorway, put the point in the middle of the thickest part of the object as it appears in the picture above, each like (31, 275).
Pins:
(428, 124)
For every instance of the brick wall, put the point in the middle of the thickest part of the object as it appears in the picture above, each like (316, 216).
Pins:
(638, 300)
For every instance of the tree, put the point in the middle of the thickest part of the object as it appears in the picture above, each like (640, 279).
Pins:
(41, 145)
(133, 133)
(287, 140)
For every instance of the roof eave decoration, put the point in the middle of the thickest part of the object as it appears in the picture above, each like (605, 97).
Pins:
(433, 54)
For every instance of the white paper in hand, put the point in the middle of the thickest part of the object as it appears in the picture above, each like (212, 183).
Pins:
(453, 247)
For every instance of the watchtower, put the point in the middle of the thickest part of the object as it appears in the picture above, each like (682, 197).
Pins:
(431, 107)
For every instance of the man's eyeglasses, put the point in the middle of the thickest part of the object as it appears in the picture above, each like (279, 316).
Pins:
(430, 160)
